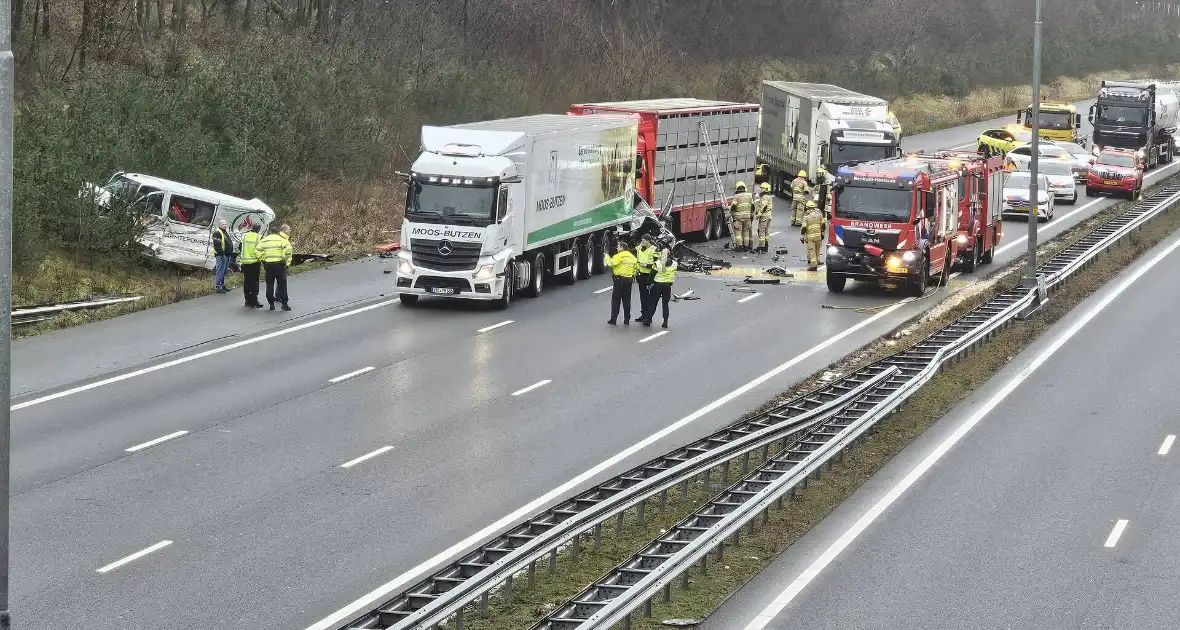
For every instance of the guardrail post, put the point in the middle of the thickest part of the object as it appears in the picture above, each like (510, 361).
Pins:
(640, 511)
(598, 535)
(619, 524)
(459, 619)
(647, 608)
(483, 605)
(627, 622)
(575, 544)
(667, 593)
(746, 464)
(552, 562)
(684, 490)
(508, 591)
(663, 500)
(532, 574)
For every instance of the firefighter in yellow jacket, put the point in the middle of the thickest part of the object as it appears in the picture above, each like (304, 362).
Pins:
(762, 217)
(742, 212)
(799, 192)
(812, 234)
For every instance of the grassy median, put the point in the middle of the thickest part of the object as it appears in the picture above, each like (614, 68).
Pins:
(762, 543)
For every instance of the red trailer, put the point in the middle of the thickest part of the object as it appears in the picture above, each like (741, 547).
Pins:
(673, 158)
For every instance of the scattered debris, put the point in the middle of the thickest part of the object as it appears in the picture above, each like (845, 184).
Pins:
(690, 260)
(388, 250)
(753, 280)
(299, 259)
(781, 251)
(779, 271)
(683, 623)
(743, 290)
(829, 375)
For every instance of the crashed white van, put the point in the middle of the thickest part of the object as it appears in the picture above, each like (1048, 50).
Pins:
(179, 219)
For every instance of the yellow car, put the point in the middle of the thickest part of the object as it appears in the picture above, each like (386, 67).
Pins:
(1002, 141)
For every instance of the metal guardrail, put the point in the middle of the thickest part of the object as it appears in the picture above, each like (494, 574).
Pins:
(42, 312)
(477, 573)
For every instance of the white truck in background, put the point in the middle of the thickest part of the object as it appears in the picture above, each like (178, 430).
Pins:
(808, 125)
(502, 206)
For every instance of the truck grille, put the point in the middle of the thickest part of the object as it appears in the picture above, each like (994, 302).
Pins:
(429, 254)
(438, 282)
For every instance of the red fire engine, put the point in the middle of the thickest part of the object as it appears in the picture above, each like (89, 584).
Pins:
(981, 204)
(894, 221)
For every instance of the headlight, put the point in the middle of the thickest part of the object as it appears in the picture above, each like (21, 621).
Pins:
(486, 272)
(909, 256)
(894, 264)
(833, 250)
(960, 239)
(404, 266)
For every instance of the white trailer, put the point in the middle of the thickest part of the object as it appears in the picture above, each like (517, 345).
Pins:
(501, 206)
(808, 125)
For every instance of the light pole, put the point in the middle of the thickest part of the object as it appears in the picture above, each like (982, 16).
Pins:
(7, 91)
(1030, 280)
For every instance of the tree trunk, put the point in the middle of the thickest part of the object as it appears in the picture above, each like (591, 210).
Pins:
(18, 15)
(84, 37)
(159, 16)
(246, 14)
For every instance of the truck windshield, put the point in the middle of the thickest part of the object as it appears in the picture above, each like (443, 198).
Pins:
(1056, 120)
(874, 204)
(458, 205)
(1122, 115)
(845, 153)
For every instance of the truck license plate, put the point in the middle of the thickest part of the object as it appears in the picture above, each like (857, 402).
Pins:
(1110, 182)
(442, 290)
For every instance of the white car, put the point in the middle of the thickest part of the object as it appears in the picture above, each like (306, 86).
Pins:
(1079, 160)
(1016, 184)
(1061, 180)
(1021, 156)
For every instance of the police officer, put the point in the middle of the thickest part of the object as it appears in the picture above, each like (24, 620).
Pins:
(799, 191)
(275, 252)
(645, 256)
(662, 284)
(762, 216)
(622, 266)
(251, 266)
(741, 210)
(812, 234)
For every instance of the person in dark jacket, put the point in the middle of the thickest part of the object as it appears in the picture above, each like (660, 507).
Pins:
(223, 250)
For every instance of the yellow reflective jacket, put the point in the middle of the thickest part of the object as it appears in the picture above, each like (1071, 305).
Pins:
(275, 248)
(765, 205)
(646, 258)
(249, 248)
(742, 205)
(814, 225)
(665, 273)
(799, 189)
(622, 264)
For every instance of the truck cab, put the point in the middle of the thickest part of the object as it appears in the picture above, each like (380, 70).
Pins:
(1058, 121)
(894, 222)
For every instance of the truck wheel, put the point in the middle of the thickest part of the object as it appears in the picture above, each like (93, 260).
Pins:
(570, 277)
(990, 254)
(537, 275)
(585, 269)
(597, 244)
(972, 261)
(837, 282)
(917, 288)
(706, 234)
(407, 299)
(505, 299)
(720, 228)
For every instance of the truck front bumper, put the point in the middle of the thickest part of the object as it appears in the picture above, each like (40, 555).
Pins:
(442, 284)
(889, 268)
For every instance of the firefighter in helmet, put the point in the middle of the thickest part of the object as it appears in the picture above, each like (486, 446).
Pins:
(812, 234)
(742, 211)
(762, 217)
(800, 189)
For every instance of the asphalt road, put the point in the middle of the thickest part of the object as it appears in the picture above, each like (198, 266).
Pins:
(238, 436)
(1056, 508)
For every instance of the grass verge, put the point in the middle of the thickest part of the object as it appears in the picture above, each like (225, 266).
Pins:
(767, 539)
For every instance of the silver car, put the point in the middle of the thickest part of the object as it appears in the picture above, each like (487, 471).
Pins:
(1016, 185)
(1061, 180)
(1079, 160)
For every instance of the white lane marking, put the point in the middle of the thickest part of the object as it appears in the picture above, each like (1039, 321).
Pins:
(353, 462)
(1113, 538)
(955, 275)
(748, 298)
(199, 355)
(809, 574)
(775, 233)
(135, 556)
(649, 338)
(1057, 219)
(603, 290)
(170, 436)
(531, 387)
(345, 377)
(533, 506)
(495, 326)
(1167, 445)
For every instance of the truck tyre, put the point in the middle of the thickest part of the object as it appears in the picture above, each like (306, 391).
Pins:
(536, 275)
(407, 299)
(971, 260)
(837, 282)
(505, 299)
(944, 278)
(706, 234)
(597, 244)
(571, 277)
(917, 288)
(720, 227)
(990, 254)
(585, 268)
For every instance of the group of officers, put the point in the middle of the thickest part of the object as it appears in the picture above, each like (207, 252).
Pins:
(745, 210)
(653, 271)
(271, 254)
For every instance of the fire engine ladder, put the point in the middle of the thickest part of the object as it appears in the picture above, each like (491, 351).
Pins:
(713, 168)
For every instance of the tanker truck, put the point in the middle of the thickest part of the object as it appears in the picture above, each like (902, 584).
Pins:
(1139, 115)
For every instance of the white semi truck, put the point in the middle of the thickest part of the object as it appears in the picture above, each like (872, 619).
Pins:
(500, 207)
(1140, 115)
(808, 125)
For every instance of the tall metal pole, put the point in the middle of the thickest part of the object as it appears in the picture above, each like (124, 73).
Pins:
(1030, 280)
(7, 92)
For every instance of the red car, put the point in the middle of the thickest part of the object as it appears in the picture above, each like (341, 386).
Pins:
(1116, 171)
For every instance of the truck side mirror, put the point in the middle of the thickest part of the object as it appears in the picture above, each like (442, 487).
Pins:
(1019, 112)
(1093, 111)
(1077, 121)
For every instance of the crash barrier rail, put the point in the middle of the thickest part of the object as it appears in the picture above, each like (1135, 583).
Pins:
(613, 597)
(42, 312)
(823, 416)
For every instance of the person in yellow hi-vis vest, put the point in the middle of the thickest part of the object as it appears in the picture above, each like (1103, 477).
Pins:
(812, 234)
(251, 266)
(741, 212)
(645, 256)
(799, 192)
(275, 252)
(662, 284)
(762, 217)
(622, 266)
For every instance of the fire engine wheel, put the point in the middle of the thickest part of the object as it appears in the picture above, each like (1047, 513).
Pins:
(917, 287)
(987, 256)
(836, 282)
(972, 261)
